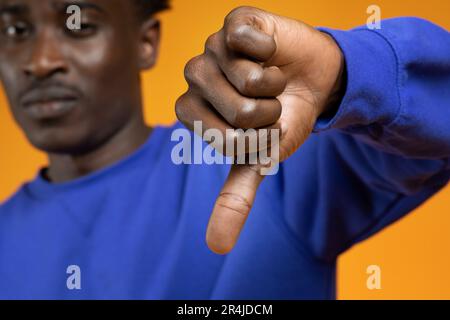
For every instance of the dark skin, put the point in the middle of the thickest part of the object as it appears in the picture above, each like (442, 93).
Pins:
(260, 70)
(77, 94)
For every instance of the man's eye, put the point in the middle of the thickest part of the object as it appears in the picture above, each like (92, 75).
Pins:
(85, 29)
(18, 30)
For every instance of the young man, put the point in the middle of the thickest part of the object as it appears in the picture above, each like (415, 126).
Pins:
(113, 216)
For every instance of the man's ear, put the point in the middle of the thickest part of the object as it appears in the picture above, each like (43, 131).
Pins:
(149, 43)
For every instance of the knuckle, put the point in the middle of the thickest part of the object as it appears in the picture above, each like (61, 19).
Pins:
(278, 107)
(234, 23)
(211, 45)
(244, 114)
(181, 107)
(232, 36)
(238, 11)
(235, 203)
(251, 83)
(193, 68)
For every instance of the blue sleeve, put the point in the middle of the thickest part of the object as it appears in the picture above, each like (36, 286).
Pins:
(386, 149)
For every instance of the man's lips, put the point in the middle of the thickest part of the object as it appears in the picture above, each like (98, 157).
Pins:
(49, 103)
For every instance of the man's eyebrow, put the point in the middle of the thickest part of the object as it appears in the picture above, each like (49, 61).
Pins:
(82, 5)
(13, 9)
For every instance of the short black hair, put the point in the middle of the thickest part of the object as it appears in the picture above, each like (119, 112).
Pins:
(147, 8)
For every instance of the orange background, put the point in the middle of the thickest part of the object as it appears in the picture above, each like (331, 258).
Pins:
(413, 254)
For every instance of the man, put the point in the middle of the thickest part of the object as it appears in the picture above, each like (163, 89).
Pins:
(113, 216)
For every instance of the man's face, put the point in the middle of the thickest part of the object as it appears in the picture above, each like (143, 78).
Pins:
(70, 90)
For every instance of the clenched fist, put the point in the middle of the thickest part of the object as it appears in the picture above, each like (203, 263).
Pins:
(259, 71)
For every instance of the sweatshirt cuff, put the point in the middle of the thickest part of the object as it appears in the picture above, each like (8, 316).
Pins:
(372, 92)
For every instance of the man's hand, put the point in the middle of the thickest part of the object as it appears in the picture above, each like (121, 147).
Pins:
(259, 71)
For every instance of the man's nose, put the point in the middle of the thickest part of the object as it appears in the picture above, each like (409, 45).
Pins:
(46, 57)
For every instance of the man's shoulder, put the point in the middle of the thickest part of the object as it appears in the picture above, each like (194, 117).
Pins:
(15, 201)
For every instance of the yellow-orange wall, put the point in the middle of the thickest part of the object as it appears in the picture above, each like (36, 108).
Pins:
(414, 254)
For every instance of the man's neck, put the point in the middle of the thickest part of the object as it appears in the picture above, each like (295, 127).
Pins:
(65, 168)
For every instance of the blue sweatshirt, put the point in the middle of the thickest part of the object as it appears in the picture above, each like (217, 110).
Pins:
(137, 229)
